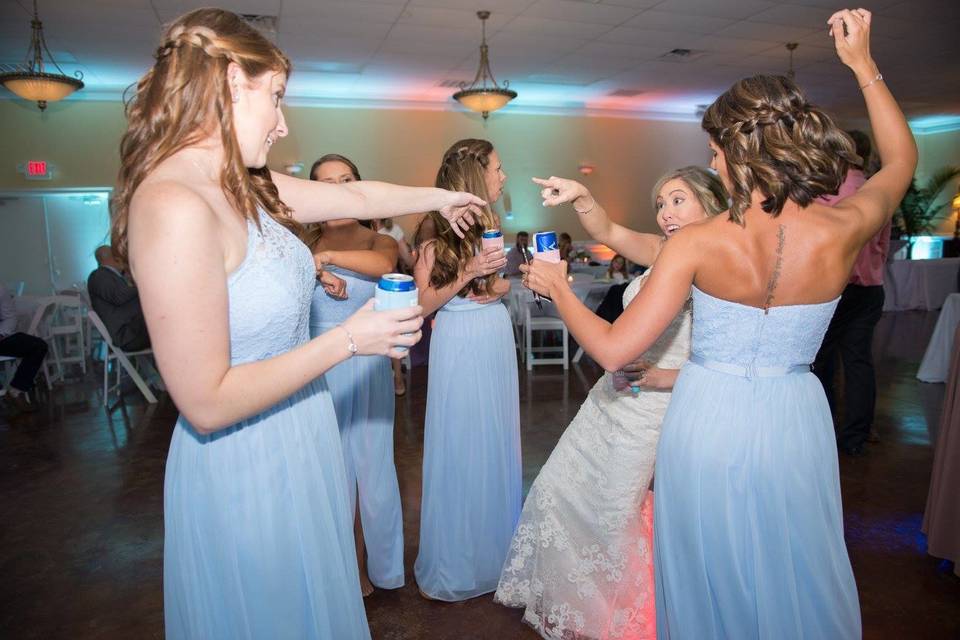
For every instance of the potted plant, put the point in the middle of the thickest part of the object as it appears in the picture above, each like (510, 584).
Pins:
(919, 211)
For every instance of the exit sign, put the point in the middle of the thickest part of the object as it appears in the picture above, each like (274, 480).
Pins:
(36, 170)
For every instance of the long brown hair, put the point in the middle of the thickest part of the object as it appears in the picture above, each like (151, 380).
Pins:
(463, 169)
(777, 142)
(311, 234)
(183, 99)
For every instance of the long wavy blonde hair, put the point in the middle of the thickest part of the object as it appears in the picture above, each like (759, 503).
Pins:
(463, 168)
(183, 99)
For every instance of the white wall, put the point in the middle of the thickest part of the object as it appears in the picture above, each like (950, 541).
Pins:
(47, 241)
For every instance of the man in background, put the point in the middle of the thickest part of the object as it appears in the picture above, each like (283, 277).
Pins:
(850, 334)
(30, 349)
(516, 257)
(117, 302)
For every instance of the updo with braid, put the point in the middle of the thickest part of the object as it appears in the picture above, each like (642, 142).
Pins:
(184, 98)
(463, 168)
(778, 143)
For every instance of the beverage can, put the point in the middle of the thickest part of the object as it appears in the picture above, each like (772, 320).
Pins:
(492, 238)
(396, 291)
(545, 246)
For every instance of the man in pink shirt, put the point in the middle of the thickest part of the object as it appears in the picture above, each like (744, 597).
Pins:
(851, 331)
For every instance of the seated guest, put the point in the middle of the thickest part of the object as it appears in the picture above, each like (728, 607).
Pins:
(30, 349)
(117, 303)
(849, 337)
(516, 257)
(617, 271)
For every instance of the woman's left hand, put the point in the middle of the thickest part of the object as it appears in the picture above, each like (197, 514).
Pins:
(335, 286)
(462, 210)
(500, 288)
(544, 277)
(646, 375)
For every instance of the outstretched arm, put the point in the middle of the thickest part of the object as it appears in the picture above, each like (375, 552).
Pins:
(641, 248)
(876, 201)
(315, 201)
(659, 301)
(177, 256)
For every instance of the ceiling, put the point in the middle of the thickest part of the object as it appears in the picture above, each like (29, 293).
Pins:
(563, 56)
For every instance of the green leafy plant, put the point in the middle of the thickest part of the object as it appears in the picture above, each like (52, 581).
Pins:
(919, 211)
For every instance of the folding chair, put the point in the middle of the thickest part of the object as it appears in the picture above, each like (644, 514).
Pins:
(120, 357)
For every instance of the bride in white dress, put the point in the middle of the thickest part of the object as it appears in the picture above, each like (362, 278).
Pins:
(581, 562)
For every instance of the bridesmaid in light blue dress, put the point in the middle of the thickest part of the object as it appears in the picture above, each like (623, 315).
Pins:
(281, 555)
(362, 387)
(748, 521)
(471, 458)
(257, 525)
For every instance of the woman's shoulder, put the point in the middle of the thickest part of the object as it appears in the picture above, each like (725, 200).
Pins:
(162, 199)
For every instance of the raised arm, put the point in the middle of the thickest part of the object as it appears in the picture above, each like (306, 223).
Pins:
(315, 201)
(641, 248)
(379, 259)
(177, 256)
(876, 200)
(662, 297)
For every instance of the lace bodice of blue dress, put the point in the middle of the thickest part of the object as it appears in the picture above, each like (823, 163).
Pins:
(746, 336)
(270, 294)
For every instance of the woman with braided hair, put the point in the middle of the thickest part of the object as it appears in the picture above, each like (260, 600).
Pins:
(748, 522)
(257, 529)
(471, 442)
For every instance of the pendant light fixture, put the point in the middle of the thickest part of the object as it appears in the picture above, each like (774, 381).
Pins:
(33, 82)
(791, 46)
(484, 95)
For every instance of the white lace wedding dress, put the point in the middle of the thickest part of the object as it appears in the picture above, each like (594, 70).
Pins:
(581, 559)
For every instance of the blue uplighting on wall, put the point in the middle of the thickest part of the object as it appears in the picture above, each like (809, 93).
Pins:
(935, 124)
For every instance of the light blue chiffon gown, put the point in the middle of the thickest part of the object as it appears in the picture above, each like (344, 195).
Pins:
(258, 535)
(362, 390)
(748, 519)
(471, 458)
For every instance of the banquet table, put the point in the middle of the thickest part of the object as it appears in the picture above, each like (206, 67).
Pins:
(919, 284)
(590, 291)
(936, 361)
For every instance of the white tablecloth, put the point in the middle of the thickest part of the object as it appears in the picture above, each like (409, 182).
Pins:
(919, 284)
(936, 361)
(590, 292)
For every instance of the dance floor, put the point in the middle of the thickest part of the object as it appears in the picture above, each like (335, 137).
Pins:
(81, 499)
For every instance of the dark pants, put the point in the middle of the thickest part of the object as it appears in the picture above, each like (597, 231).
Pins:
(850, 336)
(31, 350)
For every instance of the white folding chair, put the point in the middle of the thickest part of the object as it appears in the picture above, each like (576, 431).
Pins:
(67, 332)
(6, 364)
(123, 358)
(40, 327)
(542, 355)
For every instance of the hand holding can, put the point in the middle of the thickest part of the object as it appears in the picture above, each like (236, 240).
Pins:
(396, 291)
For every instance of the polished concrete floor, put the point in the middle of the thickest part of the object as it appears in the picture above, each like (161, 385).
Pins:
(81, 509)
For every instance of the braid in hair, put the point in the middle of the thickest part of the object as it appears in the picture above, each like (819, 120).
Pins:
(778, 143)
